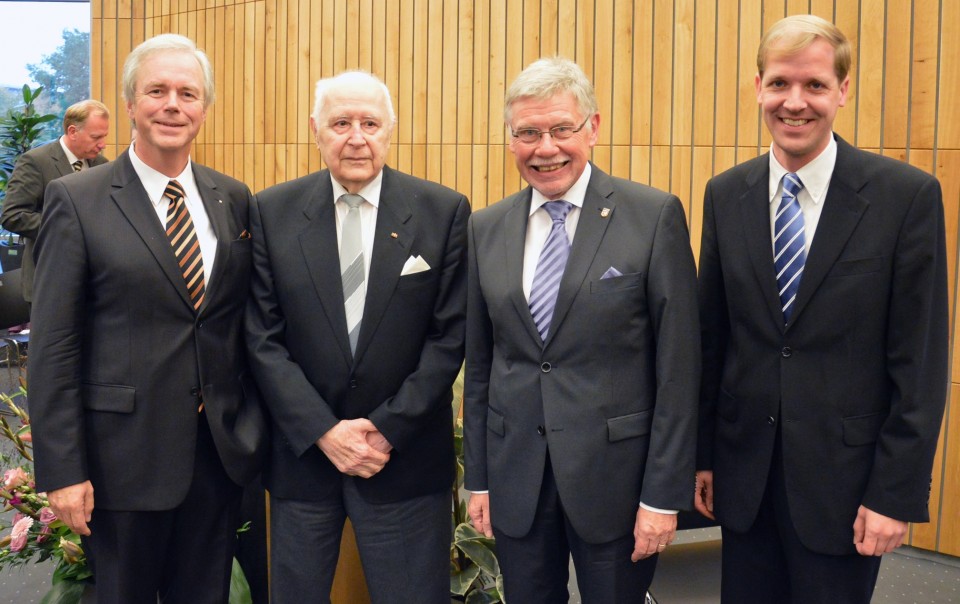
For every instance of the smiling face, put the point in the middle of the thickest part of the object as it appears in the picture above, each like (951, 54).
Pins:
(552, 166)
(799, 95)
(168, 109)
(353, 133)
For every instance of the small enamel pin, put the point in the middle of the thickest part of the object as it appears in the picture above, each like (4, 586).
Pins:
(393, 235)
(605, 213)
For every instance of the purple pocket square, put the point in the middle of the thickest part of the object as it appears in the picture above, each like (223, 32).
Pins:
(611, 272)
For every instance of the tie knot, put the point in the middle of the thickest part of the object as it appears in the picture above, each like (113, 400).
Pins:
(558, 210)
(77, 165)
(174, 190)
(791, 184)
(352, 200)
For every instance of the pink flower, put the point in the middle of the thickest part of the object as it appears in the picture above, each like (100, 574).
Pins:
(15, 478)
(27, 437)
(19, 534)
(47, 516)
(44, 534)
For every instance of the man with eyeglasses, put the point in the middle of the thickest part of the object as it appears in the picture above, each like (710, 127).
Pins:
(583, 362)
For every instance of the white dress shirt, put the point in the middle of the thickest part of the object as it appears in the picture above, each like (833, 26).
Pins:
(155, 183)
(368, 216)
(815, 177)
(70, 156)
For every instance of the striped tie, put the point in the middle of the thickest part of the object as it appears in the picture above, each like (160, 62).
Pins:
(351, 267)
(183, 238)
(77, 165)
(788, 244)
(553, 259)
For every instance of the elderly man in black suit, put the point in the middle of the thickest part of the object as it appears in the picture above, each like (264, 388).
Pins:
(823, 297)
(85, 128)
(582, 358)
(356, 335)
(145, 421)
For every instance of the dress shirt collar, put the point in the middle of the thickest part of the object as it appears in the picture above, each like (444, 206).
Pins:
(155, 183)
(370, 192)
(575, 195)
(815, 176)
(70, 156)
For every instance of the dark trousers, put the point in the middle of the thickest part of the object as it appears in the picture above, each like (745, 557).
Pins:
(404, 547)
(769, 565)
(184, 555)
(536, 567)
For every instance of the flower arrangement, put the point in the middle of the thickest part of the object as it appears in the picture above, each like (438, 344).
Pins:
(35, 534)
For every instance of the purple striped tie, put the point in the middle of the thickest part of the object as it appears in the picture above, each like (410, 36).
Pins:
(553, 259)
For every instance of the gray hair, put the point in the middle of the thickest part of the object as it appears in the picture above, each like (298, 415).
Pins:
(549, 77)
(346, 78)
(166, 43)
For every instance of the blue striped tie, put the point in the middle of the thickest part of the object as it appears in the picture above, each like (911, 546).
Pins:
(553, 259)
(788, 244)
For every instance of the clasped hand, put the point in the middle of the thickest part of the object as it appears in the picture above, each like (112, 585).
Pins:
(356, 447)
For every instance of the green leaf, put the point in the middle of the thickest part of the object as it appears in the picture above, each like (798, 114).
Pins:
(460, 582)
(482, 597)
(64, 592)
(239, 588)
(478, 548)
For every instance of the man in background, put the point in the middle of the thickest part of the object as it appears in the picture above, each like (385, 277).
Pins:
(355, 334)
(823, 300)
(145, 421)
(582, 358)
(85, 128)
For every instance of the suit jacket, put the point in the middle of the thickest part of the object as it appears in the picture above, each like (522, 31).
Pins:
(23, 204)
(119, 361)
(856, 382)
(410, 345)
(612, 393)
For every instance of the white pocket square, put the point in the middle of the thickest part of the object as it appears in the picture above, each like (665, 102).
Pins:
(414, 265)
(611, 272)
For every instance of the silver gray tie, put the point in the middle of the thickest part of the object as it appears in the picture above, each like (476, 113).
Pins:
(351, 267)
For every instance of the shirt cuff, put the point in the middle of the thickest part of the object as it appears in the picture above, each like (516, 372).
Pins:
(657, 510)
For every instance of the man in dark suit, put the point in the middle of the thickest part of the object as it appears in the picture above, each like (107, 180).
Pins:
(356, 331)
(85, 128)
(823, 299)
(580, 397)
(138, 389)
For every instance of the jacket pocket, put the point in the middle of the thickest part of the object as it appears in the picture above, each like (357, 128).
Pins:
(861, 430)
(629, 426)
(727, 406)
(494, 422)
(859, 266)
(108, 397)
(627, 281)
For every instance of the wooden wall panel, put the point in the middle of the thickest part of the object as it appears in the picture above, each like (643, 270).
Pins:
(675, 81)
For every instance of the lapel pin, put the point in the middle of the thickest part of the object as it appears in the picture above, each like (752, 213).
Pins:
(220, 200)
(393, 235)
(605, 212)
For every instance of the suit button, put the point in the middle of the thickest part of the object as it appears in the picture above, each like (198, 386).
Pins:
(541, 431)
(785, 352)
(353, 384)
(545, 367)
(772, 421)
(194, 391)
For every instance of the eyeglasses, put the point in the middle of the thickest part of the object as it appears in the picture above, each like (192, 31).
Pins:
(531, 136)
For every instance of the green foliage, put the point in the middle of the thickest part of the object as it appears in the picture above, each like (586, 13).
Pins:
(239, 588)
(20, 130)
(474, 570)
(65, 74)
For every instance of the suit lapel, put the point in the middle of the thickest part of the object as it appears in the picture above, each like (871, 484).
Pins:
(392, 244)
(321, 255)
(843, 208)
(515, 237)
(132, 200)
(219, 221)
(755, 218)
(586, 241)
(59, 159)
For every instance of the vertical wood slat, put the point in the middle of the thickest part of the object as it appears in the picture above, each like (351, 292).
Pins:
(674, 77)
